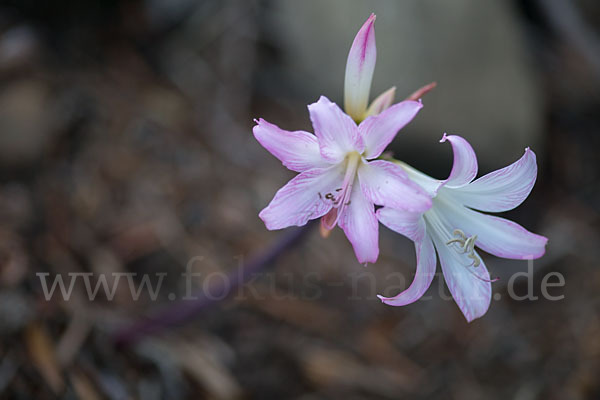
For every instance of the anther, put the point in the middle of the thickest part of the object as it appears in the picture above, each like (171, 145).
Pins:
(466, 245)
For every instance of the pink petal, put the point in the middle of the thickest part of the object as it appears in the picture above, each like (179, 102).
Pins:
(425, 272)
(379, 130)
(387, 184)
(407, 223)
(501, 190)
(498, 236)
(464, 168)
(360, 225)
(469, 285)
(303, 198)
(298, 150)
(359, 70)
(336, 132)
(382, 102)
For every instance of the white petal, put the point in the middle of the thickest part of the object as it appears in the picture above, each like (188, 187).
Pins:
(427, 183)
(426, 261)
(464, 167)
(469, 285)
(501, 190)
(498, 236)
(406, 223)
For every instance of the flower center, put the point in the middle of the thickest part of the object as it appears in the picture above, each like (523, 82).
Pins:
(439, 226)
(340, 198)
(466, 245)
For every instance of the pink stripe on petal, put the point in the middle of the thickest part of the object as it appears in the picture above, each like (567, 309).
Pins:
(361, 227)
(298, 150)
(501, 190)
(464, 167)
(336, 132)
(426, 261)
(303, 198)
(359, 70)
(379, 130)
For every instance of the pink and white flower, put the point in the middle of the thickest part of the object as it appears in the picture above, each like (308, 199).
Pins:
(339, 176)
(453, 228)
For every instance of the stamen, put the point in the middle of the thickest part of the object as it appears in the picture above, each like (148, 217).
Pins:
(483, 279)
(466, 245)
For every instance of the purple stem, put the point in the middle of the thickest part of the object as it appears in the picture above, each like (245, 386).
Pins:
(184, 310)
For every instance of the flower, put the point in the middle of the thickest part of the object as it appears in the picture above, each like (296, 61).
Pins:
(453, 227)
(337, 178)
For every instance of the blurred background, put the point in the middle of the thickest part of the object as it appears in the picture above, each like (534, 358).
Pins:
(126, 147)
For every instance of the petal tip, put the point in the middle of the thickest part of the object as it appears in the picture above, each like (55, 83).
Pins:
(417, 103)
(265, 220)
(529, 152)
(370, 21)
(472, 317)
(541, 252)
(259, 129)
(368, 260)
(365, 259)
(323, 99)
(444, 137)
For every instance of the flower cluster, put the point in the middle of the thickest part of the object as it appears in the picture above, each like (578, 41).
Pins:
(341, 180)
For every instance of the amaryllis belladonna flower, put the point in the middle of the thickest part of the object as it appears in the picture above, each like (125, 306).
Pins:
(453, 228)
(337, 177)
